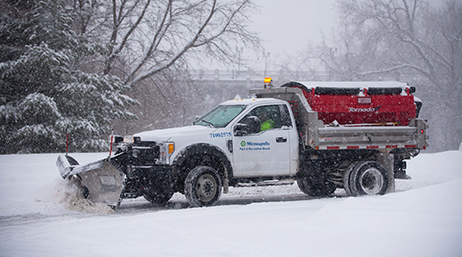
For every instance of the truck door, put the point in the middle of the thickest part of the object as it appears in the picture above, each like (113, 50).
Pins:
(261, 143)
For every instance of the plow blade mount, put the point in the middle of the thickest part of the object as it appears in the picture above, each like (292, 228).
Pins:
(101, 181)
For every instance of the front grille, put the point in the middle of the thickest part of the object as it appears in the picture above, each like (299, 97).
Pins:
(144, 153)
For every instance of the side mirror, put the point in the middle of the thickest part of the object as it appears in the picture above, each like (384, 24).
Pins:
(240, 129)
(251, 126)
(254, 124)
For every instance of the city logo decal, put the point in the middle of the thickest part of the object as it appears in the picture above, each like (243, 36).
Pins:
(254, 146)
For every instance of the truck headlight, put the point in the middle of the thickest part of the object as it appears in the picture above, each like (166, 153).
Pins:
(131, 139)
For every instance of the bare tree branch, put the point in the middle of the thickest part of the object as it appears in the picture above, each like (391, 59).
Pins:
(146, 37)
(117, 21)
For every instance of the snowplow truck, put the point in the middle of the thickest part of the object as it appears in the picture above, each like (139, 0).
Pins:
(321, 135)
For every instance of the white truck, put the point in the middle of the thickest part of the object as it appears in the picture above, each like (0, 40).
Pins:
(230, 146)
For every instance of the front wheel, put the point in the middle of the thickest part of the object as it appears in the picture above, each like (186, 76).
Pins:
(202, 186)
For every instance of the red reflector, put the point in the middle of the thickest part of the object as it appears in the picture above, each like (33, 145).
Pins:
(391, 146)
(422, 131)
(410, 146)
(372, 146)
(352, 147)
(333, 147)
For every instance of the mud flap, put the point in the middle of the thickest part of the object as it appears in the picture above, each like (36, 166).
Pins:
(101, 180)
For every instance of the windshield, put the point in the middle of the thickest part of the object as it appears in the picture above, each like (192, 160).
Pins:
(220, 116)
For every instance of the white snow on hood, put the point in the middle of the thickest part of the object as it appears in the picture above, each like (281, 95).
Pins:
(168, 134)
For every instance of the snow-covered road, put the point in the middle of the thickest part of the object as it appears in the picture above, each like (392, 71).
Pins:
(39, 217)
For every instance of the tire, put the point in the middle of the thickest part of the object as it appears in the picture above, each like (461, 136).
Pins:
(158, 196)
(346, 179)
(315, 185)
(366, 178)
(202, 186)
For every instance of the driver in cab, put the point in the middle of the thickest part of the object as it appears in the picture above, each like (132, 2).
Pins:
(266, 122)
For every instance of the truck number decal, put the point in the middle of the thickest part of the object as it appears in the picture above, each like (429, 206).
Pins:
(220, 134)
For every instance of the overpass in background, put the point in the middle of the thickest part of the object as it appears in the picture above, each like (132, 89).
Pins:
(255, 77)
(226, 84)
(229, 83)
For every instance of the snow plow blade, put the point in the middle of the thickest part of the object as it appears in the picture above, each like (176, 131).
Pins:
(101, 181)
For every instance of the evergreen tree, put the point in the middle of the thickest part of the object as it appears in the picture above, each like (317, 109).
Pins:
(43, 93)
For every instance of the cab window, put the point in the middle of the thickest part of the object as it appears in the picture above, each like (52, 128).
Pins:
(268, 117)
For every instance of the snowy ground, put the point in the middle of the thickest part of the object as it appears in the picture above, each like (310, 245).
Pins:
(39, 217)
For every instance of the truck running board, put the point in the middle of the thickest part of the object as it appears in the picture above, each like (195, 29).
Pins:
(266, 183)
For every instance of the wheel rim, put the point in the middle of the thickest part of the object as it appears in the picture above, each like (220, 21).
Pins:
(206, 187)
(372, 181)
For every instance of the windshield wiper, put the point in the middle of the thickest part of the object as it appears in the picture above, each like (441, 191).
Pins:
(208, 122)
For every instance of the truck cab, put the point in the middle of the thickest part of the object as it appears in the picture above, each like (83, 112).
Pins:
(235, 128)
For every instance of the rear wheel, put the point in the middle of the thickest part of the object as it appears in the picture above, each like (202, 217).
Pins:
(315, 185)
(366, 178)
(202, 186)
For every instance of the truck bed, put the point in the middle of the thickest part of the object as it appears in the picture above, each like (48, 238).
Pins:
(360, 102)
(317, 135)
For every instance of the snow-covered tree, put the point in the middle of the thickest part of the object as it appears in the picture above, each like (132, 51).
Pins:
(44, 93)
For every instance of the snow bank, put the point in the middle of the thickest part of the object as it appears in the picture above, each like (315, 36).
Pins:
(423, 218)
